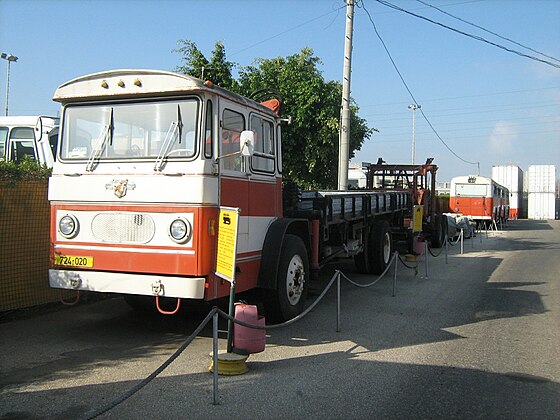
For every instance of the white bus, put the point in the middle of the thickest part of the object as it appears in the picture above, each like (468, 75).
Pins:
(33, 136)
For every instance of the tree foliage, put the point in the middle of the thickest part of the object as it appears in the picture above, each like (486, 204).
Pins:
(310, 143)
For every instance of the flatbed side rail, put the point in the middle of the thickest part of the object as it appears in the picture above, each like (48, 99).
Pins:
(336, 206)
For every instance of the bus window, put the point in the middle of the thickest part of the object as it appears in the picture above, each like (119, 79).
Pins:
(3, 138)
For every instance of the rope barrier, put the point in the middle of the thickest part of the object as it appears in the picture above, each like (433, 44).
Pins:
(408, 266)
(441, 249)
(375, 281)
(160, 369)
(336, 276)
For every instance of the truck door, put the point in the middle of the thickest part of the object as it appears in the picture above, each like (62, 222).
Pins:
(234, 179)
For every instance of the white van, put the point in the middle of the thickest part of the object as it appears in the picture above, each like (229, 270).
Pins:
(33, 136)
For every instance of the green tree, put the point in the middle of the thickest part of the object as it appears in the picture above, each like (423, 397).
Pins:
(310, 143)
(217, 69)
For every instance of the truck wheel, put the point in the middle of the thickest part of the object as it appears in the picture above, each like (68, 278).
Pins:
(291, 280)
(362, 260)
(438, 236)
(381, 247)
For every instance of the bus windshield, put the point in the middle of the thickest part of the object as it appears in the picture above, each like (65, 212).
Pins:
(471, 190)
(146, 130)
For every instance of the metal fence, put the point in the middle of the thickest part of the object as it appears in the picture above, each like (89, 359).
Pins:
(24, 245)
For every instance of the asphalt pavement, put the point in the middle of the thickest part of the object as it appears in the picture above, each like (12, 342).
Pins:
(478, 337)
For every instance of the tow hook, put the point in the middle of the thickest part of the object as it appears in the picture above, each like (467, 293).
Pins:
(157, 288)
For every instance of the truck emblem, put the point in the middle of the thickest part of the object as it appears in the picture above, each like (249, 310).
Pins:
(120, 187)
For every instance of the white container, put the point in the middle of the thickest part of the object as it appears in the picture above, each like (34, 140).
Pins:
(510, 176)
(541, 205)
(515, 205)
(541, 179)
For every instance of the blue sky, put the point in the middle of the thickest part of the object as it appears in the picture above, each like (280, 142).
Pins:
(488, 105)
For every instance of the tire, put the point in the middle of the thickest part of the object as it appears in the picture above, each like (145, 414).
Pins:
(438, 236)
(381, 247)
(362, 260)
(288, 300)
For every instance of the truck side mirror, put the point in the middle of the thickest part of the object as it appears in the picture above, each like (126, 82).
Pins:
(247, 143)
(38, 129)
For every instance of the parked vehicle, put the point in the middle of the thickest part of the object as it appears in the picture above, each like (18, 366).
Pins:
(35, 137)
(479, 197)
(458, 222)
(146, 161)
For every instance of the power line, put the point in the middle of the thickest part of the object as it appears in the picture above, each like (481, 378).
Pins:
(450, 98)
(446, 114)
(287, 30)
(410, 92)
(486, 30)
(475, 37)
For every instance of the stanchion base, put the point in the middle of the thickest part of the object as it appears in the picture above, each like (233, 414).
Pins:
(229, 363)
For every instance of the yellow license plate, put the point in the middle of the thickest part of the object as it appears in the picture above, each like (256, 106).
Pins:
(73, 260)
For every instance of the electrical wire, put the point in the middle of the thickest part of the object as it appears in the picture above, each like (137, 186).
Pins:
(410, 92)
(287, 30)
(487, 30)
(475, 37)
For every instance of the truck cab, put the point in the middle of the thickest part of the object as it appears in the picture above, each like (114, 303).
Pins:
(32, 136)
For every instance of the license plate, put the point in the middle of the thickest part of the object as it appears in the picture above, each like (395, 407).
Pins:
(73, 260)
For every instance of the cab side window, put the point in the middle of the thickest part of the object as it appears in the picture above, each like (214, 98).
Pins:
(208, 137)
(22, 141)
(233, 123)
(263, 156)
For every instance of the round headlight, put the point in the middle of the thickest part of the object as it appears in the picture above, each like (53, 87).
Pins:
(180, 230)
(68, 226)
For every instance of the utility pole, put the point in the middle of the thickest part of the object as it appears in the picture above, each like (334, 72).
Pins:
(344, 134)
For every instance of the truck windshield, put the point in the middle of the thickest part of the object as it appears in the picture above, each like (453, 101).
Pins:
(133, 131)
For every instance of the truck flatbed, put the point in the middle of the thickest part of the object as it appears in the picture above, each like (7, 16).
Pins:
(334, 206)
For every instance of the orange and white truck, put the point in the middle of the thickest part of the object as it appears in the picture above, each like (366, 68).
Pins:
(146, 159)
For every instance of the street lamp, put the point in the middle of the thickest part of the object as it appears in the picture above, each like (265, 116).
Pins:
(414, 107)
(9, 58)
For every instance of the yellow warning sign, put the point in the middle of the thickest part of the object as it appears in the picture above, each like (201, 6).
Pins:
(417, 218)
(227, 243)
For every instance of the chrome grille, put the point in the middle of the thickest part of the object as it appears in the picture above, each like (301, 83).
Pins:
(123, 227)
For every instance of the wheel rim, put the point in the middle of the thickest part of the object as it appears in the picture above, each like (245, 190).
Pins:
(295, 280)
(386, 247)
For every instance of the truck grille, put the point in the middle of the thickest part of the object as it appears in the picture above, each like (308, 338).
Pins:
(123, 227)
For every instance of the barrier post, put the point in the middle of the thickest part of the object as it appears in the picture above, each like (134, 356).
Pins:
(472, 239)
(426, 257)
(395, 256)
(215, 357)
(338, 302)
(461, 237)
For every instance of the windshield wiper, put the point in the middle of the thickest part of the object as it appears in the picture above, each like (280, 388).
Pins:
(99, 145)
(174, 128)
(98, 148)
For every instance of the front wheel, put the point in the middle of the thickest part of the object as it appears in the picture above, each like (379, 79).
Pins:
(288, 300)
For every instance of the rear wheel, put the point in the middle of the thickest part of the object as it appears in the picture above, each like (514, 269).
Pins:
(288, 299)
(362, 259)
(381, 247)
(438, 235)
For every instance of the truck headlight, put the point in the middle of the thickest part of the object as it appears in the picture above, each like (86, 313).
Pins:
(68, 226)
(180, 230)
